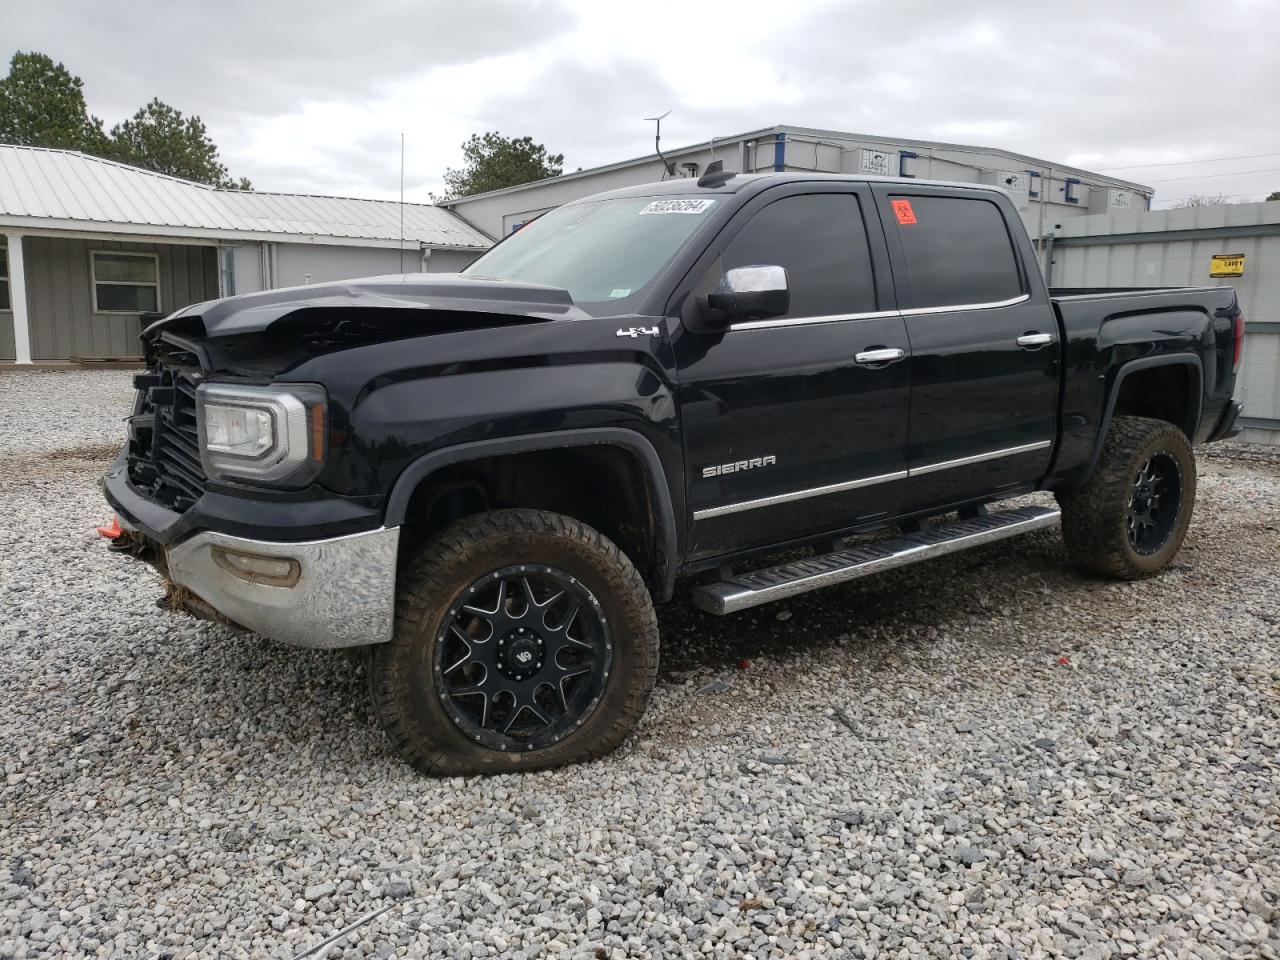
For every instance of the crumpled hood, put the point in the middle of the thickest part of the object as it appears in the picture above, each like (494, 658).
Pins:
(421, 292)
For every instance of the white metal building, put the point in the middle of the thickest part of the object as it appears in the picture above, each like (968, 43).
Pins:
(92, 246)
(1045, 192)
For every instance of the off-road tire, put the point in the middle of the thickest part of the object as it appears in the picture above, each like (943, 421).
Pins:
(403, 687)
(1095, 516)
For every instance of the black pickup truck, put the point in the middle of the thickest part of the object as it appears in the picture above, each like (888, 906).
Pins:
(490, 478)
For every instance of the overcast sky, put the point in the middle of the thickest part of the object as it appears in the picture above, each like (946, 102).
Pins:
(311, 95)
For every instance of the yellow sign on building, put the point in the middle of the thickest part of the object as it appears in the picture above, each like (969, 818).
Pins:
(1226, 265)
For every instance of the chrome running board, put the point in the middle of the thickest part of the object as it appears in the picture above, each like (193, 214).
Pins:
(800, 576)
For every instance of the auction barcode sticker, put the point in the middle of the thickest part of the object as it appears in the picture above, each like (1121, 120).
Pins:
(902, 210)
(677, 206)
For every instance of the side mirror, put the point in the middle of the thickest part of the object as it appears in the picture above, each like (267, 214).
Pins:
(748, 293)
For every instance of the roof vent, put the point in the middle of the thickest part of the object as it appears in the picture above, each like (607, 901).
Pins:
(716, 175)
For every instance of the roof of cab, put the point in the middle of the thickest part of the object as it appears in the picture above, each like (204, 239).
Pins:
(687, 186)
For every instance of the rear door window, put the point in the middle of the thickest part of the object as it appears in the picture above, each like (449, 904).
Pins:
(957, 251)
(821, 241)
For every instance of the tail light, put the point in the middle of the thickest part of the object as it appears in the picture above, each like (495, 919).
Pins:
(1238, 350)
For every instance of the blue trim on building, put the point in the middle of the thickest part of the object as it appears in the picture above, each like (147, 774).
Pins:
(780, 152)
(903, 157)
(1032, 193)
(1066, 190)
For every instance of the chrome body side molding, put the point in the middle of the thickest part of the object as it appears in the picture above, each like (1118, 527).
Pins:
(964, 307)
(878, 314)
(979, 458)
(802, 321)
(708, 512)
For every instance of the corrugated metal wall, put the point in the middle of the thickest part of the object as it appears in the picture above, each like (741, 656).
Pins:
(60, 296)
(7, 347)
(1177, 254)
(296, 264)
(300, 263)
(59, 284)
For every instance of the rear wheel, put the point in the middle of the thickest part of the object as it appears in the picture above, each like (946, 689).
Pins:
(1129, 520)
(524, 639)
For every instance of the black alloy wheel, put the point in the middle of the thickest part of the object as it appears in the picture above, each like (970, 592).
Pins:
(524, 639)
(1153, 503)
(1129, 518)
(523, 662)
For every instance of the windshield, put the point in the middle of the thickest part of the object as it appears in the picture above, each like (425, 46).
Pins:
(603, 252)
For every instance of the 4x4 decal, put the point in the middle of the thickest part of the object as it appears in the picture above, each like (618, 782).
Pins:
(634, 332)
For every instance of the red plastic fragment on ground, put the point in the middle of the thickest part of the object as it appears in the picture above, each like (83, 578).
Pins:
(111, 530)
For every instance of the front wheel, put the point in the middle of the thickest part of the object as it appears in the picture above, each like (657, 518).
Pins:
(524, 639)
(1129, 520)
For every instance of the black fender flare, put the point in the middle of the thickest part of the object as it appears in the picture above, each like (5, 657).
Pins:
(1146, 363)
(665, 545)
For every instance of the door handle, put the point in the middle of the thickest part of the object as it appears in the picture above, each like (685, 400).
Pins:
(1031, 341)
(879, 355)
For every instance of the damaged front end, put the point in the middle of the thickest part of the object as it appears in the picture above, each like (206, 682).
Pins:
(321, 594)
(269, 333)
(292, 546)
(176, 598)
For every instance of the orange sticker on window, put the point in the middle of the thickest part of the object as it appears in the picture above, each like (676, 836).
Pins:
(904, 212)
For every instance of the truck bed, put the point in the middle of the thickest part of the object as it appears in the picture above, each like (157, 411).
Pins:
(1104, 328)
(1086, 310)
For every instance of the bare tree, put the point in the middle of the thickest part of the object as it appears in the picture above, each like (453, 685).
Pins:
(1201, 200)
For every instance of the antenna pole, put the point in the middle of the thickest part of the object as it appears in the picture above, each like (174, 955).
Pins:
(668, 167)
(402, 202)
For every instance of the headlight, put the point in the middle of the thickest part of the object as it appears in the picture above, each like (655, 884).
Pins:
(270, 434)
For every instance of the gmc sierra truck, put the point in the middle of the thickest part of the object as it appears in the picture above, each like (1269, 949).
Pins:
(756, 384)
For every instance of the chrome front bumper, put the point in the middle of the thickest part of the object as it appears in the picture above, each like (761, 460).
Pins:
(344, 594)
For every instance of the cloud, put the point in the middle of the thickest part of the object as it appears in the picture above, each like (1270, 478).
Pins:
(313, 96)
(1083, 83)
(242, 58)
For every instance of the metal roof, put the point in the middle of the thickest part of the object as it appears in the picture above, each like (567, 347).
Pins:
(717, 143)
(67, 190)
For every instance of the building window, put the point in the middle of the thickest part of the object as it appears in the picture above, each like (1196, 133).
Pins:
(5, 303)
(125, 282)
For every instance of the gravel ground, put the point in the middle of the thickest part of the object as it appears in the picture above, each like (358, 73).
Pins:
(985, 756)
